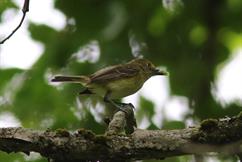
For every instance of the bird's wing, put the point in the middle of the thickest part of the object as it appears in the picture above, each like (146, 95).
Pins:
(114, 73)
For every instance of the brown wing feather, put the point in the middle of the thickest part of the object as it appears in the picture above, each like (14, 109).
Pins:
(114, 73)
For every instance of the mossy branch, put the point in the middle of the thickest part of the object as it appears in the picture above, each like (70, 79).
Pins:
(220, 135)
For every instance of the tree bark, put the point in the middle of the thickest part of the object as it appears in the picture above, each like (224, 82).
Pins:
(212, 135)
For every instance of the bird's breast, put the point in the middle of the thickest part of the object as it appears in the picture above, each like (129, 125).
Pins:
(124, 87)
(119, 88)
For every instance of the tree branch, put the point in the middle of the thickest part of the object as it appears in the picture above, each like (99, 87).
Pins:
(222, 135)
(123, 121)
(25, 9)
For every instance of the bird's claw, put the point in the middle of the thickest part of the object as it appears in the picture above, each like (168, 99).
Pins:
(124, 106)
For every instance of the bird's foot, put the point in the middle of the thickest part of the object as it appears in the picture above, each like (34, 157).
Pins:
(123, 106)
(126, 104)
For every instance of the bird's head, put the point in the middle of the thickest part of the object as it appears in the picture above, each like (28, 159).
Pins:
(148, 67)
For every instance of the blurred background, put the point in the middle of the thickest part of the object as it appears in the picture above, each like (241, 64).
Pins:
(198, 42)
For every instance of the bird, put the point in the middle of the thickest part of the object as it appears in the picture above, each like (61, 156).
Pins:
(117, 81)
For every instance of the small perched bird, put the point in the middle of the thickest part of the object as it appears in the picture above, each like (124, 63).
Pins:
(116, 81)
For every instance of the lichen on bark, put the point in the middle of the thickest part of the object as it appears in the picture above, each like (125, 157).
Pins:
(219, 131)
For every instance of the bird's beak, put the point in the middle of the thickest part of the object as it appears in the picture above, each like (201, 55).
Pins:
(160, 72)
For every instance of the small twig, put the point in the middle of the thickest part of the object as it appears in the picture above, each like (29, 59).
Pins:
(25, 6)
(25, 9)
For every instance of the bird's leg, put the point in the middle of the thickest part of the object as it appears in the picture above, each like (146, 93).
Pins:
(124, 104)
(107, 99)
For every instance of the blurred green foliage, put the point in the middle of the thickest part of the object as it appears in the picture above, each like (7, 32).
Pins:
(4, 5)
(191, 40)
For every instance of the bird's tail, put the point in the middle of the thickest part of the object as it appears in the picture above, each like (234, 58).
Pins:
(72, 79)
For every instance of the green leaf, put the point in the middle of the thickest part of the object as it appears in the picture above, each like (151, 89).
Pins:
(6, 75)
(42, 33)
